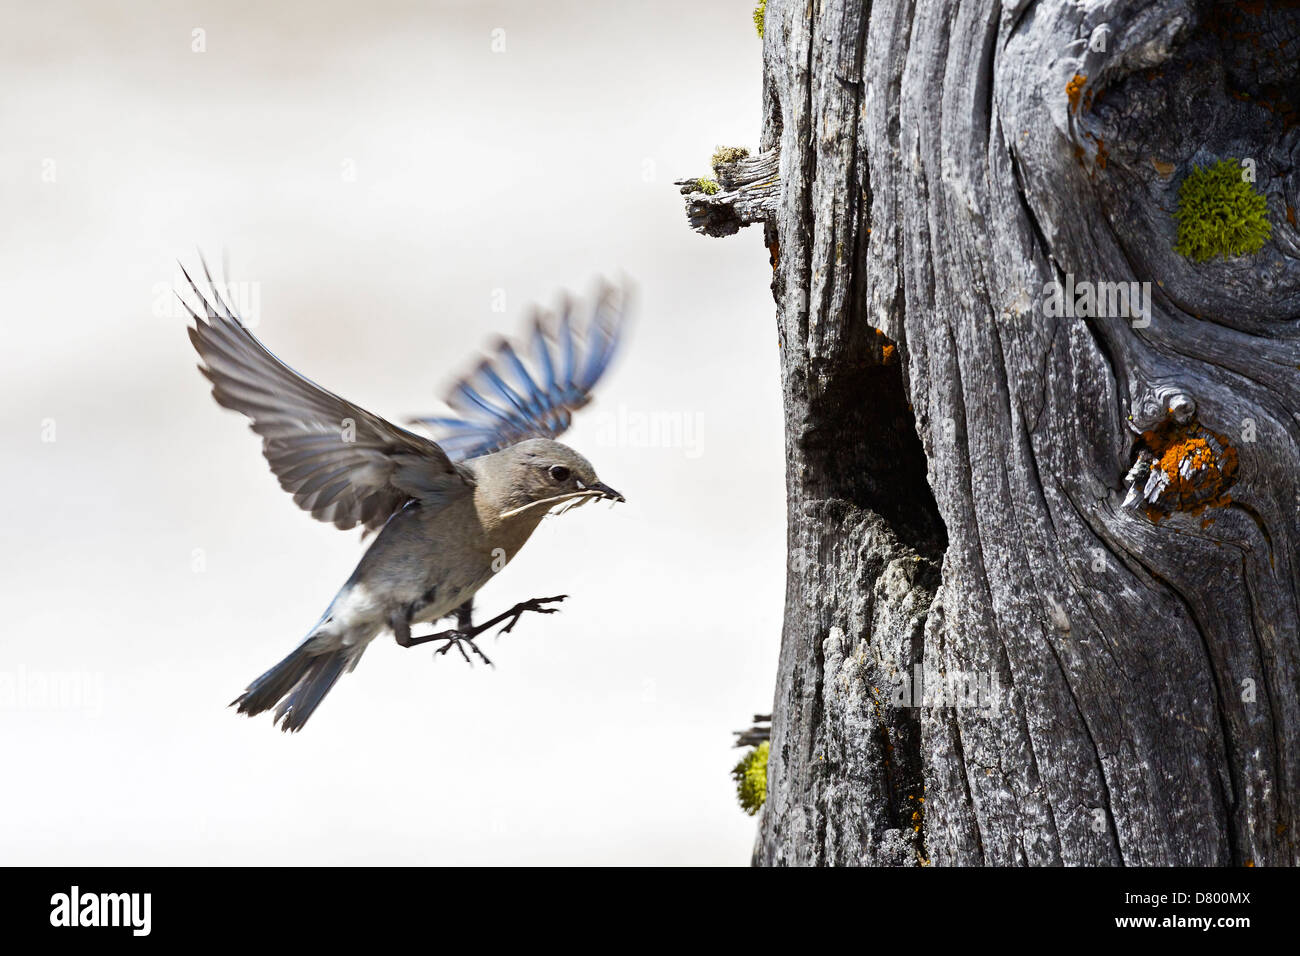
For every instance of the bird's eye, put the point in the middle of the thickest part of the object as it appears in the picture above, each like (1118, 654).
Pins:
(559, 473)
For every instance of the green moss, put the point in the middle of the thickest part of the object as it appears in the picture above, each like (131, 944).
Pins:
(708, 186)
(1220, 214)
(760, 14)
(751, 779)
(727, 154)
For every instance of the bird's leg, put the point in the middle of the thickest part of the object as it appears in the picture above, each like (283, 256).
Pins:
(465, 615)
(518, 611)
(400, 623)
(465, 631)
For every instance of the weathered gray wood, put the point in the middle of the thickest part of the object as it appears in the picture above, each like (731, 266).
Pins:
(760, 731)
(749, 190)
(957, 458)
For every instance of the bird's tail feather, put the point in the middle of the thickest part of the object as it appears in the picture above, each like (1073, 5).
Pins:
(297, 684)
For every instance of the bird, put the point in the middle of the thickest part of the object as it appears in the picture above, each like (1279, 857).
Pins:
(449, 513)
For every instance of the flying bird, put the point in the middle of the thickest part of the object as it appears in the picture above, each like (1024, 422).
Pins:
(450, 513)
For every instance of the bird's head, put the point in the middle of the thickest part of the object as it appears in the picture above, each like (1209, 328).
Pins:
(537, 474)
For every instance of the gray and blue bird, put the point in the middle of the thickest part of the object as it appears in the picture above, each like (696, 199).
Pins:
(450, 513)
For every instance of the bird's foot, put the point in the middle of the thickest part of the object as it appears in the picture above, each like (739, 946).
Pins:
(463, 637)
(460, 640)
(519, 610)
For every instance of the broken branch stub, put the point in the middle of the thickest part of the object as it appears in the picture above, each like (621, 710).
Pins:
(749, 191)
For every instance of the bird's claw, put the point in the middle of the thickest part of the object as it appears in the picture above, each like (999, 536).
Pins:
(532, 604)
(458, 641)
(464, 636)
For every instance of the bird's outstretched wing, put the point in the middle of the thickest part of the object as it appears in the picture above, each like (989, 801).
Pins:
(532, 390)
(339, 461)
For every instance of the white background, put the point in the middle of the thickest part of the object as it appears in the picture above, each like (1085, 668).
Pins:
(149, 553)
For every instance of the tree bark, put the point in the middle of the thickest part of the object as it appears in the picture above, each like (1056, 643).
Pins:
(1103, 683)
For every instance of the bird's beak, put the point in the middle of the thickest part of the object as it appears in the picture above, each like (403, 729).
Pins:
(606, 491)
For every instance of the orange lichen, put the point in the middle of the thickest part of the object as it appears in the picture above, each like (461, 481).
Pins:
(1196, 465)
(1193, 451)
(1074, 91)
(885, 348)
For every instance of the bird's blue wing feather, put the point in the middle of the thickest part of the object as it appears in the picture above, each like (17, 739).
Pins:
(532, 392)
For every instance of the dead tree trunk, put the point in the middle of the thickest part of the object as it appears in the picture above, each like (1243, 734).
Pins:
(1103, 683)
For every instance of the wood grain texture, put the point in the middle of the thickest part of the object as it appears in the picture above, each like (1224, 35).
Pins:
(748, 191)
(957, 455)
